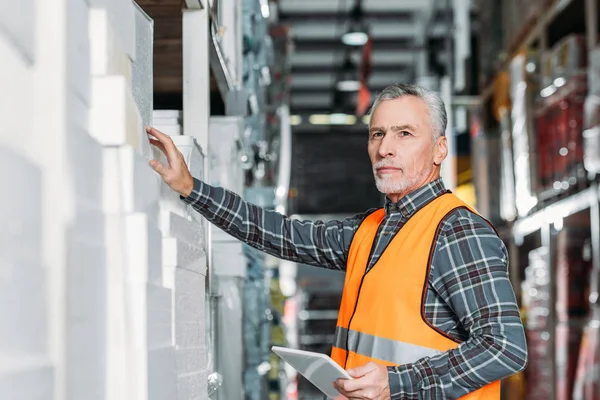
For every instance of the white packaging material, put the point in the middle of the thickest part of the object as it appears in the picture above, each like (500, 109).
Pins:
(190, 360)
(89, 222)
(114, 117)
(86, 319)
(23, 310)
(228, 259)
(189, 298)
(20, 208)
(26, 378)
(16, 81)
(191, 335)
(144, 250)
(130, 185)
(178, 227)
(168, 122)
(177, 253)
(84, 157)
(160, 317)
(192, 385)
(224, 159)
(122, 18)
(142, 74)
(151, 309)
(78, 49)
(17, 23)
(106, 53)
(116, 316)
(194, 159)
(162, 380)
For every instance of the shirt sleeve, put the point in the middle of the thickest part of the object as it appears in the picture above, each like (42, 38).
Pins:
(470, 273)
(322, 244)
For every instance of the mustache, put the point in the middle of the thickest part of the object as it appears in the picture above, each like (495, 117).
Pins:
(385, 163)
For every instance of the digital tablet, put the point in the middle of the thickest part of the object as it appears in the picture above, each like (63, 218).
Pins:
(318, 368)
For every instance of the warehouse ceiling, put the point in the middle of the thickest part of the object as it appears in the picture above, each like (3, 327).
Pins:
(398, 29)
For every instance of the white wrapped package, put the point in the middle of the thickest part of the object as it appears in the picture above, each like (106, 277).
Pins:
(20, 215)
(106, 53)
(116, 316)
(168, 122)
(23, 310)
(28, 378)
(144, 250)
(85, 165)
(16, 81)
(17, 22)
(130, 185)
(78, 49)
(122, 19)
(162, 379)
(86, 321)
(114, 117)
(177, 253)
(178, 227)
(192, 385)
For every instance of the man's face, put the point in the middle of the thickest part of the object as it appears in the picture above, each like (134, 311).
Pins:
(402, 148)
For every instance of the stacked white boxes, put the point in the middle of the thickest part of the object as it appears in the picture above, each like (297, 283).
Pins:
(102, 269)
(185, 267)
(141, 356)
(25, 368)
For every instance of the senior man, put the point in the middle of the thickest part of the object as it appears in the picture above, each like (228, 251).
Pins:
(428, 311)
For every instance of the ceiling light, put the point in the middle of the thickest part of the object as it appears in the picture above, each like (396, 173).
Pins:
(548, 91)
(342, 119)
(295, 120)
(319, 119)
(357, 38)
(264, 9)
(348, 85)
(366, 119)
(558, 82)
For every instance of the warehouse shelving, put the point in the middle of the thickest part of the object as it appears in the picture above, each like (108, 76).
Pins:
(556, 209)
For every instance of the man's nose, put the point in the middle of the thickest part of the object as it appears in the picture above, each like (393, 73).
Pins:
(386, 148)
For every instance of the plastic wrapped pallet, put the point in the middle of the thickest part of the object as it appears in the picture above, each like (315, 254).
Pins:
(587, 386)
(591, 135)
(568, 340)
(523, 151)
(537, 298)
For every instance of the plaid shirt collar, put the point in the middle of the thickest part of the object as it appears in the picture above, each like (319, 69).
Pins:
(414, 201)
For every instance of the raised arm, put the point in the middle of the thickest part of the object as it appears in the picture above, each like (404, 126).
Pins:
(322, 244)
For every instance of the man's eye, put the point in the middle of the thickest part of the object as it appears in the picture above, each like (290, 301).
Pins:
(405, 133)
(376, 134)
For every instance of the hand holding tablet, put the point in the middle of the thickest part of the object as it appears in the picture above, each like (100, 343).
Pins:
(318, 368)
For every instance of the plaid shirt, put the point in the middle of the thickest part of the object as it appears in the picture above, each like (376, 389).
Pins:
(469, 295)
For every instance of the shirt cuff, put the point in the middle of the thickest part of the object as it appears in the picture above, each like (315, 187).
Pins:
(404, 382)
(199, 191)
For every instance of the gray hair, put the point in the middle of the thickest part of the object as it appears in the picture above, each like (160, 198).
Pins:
(437, 109)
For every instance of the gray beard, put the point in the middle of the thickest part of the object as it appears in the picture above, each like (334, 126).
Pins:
(390, 185)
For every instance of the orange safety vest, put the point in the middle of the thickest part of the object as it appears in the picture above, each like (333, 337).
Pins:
(381, 317)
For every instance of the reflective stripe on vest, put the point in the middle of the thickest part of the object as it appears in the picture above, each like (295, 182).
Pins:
(380, 348)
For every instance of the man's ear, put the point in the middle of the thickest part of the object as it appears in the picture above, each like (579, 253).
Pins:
(440, 151)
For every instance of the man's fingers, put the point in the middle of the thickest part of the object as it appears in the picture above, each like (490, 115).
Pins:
(169, 147)
(362, 370)
(348, 386)
(158, 167)
(159, 145)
